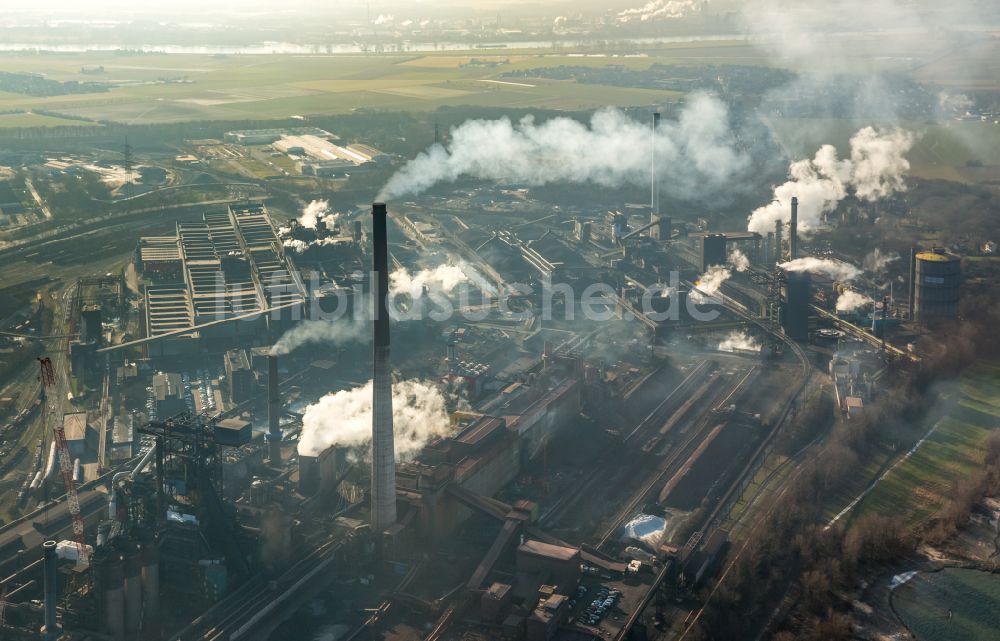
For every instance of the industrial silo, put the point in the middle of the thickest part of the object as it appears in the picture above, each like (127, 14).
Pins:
(937, 278)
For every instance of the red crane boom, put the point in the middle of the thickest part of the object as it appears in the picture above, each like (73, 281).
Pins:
(65, 461)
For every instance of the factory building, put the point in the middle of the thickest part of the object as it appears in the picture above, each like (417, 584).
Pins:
(123, 438)
(713, 250)
(240, 381)
(78, 433)
(232, 264)
(267, 136)
(168, 393)
(935, 282)
(487, 453)
(159, 258)
(322, 150)
(796, 304)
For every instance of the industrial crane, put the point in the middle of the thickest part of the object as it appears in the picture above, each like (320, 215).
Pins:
(65, 462)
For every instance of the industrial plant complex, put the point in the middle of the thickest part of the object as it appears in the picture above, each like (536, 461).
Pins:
(238, 493)
(584, 347)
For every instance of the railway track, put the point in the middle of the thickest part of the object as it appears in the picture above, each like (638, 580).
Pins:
(675, 458)
(643, 429)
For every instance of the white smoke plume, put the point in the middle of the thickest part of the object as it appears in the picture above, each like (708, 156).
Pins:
(296, 245)
(851, 300)
(738, 260)
(313, 213)
(876, 261)
(419, 414)
(833, 269)
(695, 153)
(443, 278)
(661, 9)
(875, 170)
(710, 282)
(336, 332)
(299, 246)
(738, 340)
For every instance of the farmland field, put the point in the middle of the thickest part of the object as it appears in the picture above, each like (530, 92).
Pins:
(919, 486)
(28, 119)
(154, 88)
(954, 604)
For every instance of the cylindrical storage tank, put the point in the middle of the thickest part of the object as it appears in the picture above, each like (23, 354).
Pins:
(111, 582)
(151, 588)
(133, 592)
(937, 287)
(50, 628)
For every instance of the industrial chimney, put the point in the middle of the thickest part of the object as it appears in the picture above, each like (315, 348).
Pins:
(273, 411)
(793, 231)
(50, 629)
(383, 489)
(654, 217)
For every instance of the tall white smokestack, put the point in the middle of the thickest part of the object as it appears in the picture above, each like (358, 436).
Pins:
(383, 489)
(654, 204)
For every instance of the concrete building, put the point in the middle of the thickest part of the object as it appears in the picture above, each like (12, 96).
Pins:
(240, 381)
(546, 618)
(795, 308)
(159, 258)
(713, 250)
(168, 391)
(494, 602)
(321, 149)
(545, 564)
(268, 136)
(122, 438)
(486, 454)
(77, 432)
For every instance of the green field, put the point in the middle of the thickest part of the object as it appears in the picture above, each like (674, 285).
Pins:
(28, 119)
(171, 88)
(921, 485)
(953, 604)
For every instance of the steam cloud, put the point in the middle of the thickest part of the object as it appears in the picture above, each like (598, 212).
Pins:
(443, 278)
(656, 9)
(876, 261)
(738, 260)
(319, 331)
(834, 269)
(314, 212)
(344, 418)
(738, 340)
(697, 152)
(851, 300)
(875, 170)
(299, 246)
(710, 282)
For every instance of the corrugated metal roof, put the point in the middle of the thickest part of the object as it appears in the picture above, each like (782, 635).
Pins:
(538, 548)
(75, 426)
